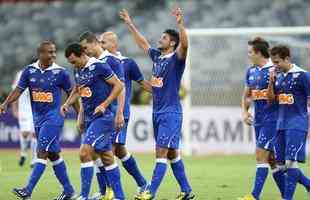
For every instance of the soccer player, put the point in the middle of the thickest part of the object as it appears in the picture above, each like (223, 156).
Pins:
(98, 87)
(23, 112)
(109, 42)
(45, 81)
(169, 64)
(92, 48)
(290, 89)
(257, 80)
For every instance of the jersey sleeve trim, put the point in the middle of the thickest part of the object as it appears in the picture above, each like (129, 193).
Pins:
(20, 87)
(110, 76)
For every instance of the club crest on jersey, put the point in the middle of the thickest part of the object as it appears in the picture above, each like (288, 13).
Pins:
(252, 70)
(251, 78)
(33, 80)
(157, 82)
(85, 92)
(286, 99)
(56, 71)
(295, 75)
(33, 70)
(43, 97)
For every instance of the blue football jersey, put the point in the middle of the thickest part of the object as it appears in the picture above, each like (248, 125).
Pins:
(93, 88)
(293, 90)
(257, 79)
(166, 81)
(114, 62)
(116, 65)
(131, 73)
(45, 88)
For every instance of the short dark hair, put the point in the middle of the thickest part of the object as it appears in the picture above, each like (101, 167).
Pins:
(174, 36)
(260, 45)
(74, 48)
(282, 51)
(88, 36)
(43, 44)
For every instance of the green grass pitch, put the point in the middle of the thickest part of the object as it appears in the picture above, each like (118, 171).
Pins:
(212, 177)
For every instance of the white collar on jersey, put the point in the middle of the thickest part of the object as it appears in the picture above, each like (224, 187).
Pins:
(295, 68)
(268, 64)
(120, 56)
(106, 53)
(52, 67)
(90, 62)
(168, 55)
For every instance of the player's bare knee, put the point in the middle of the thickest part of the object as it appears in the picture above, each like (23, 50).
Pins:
(272, 161)
(53, 156)
(262, 156)
(173, 154)
(161, 152)
(107, 158)
(86, 153)
(120, 151)
(42, 155)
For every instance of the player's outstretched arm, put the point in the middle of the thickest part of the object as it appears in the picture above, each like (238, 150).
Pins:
(13, 96)
(138, 37)
(119, 118)
(75, 99)
(72, 99)
(80, 119)
(117, 88)
(245, 104)
(146, 85)
(183, 45)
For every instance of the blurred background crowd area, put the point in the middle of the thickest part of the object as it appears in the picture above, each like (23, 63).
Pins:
(25, 23)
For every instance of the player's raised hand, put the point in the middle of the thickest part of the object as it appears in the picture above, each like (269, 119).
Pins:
(3, 108)
(119, 121)
(99, 110)
(64, 109)
(247, 118)
(124, 15)
(177, 12)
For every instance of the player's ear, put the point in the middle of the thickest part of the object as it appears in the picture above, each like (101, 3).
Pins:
(172, 43)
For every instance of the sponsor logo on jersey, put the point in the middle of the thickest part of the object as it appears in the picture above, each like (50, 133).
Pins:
(259, 94)
(92, 67)
(157, 82)
(286, 99)
(43, 97)
(85, 92)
